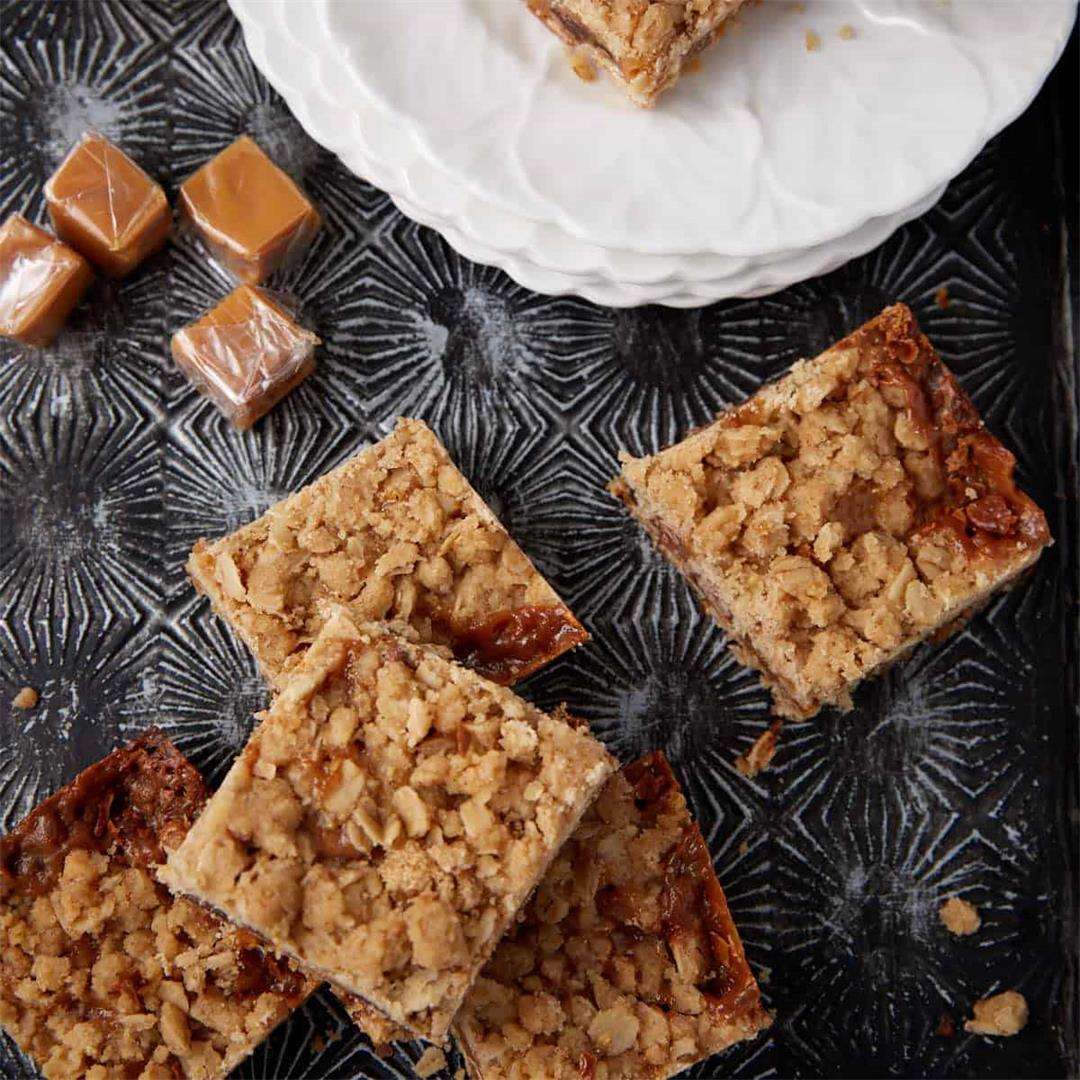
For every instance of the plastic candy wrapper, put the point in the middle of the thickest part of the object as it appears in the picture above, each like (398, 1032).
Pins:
(106, 207)
(41, 280)
(248, 212)
(245, 354)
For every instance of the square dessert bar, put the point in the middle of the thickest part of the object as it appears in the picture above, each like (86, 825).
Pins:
(41, 280)
(626, 962)
(398, 533)
(642, 43)
(245, 354)
(103, 972)
(388, 818)
(842, 515)
(105, 206)
(248, 212)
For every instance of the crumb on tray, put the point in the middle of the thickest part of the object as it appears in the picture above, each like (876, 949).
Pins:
(431, 1061)
(1002, 1014)
(26, 698)
(813, 42)
(760, 755)
(960, 917)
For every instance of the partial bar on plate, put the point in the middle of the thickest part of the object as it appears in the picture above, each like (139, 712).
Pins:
(388, 818)
(842, 515)
(41, 280)
(399, 534)
(626, 962)
(643, 44)
(248, 212)
(245, 354)
(103, 972)
(106, 207)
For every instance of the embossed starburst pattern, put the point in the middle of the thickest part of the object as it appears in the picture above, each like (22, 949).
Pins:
(954, 774)
(111, 62)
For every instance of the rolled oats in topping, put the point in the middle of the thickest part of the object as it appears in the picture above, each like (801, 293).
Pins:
(106, 974)
(625, 963)
(841, 515)
(959, 916)
(388, 818)
(398, 534)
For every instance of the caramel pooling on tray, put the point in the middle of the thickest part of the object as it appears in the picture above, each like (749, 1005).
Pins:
(248, 212)
(41, 280)
(245, 354)
(106, 207)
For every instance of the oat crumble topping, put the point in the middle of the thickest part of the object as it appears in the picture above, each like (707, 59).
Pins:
(388, 818)
(399, 534)
(105, 974)
(841, 515)
(626, 963)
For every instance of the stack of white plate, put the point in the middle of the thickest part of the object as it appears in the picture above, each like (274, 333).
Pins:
(809, 133)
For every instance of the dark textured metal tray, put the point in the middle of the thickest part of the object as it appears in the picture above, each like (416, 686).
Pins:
(957, 772)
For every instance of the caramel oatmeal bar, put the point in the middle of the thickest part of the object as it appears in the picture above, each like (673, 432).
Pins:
(388, 818)
(642, 43)
(842, 515)
(397, 533)
(626, 963)
(104, 973)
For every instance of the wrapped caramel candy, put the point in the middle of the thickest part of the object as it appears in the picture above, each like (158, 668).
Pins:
(106, 207)
(250, 215)
(245, 354)
(41, 280)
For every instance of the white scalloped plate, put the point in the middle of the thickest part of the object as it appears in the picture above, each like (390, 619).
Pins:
(290, 47)
(758, 279)
(770, 147)
(442, 199)
(281, 40)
